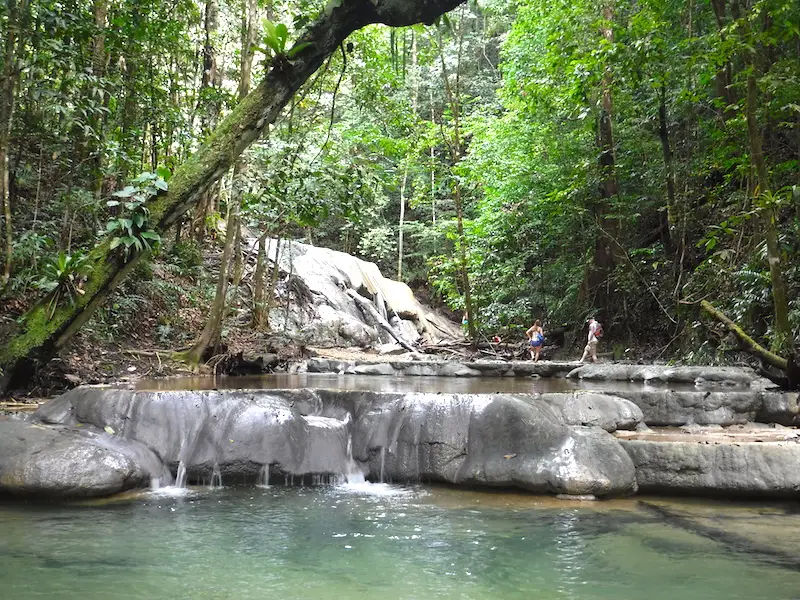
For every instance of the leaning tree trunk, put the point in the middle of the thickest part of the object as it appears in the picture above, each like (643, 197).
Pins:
(36, 337)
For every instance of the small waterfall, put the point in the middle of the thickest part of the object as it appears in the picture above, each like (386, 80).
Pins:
(216, 478)
(383, 461)
(263, 479)
(352, 473)
(180, 477)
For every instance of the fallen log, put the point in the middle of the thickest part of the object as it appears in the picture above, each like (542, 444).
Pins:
(749, 345)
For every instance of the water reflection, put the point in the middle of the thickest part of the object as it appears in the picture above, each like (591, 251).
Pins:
(374, 542)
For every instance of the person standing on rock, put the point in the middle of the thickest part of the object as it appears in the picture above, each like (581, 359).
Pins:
(535, 337)
(595, 333)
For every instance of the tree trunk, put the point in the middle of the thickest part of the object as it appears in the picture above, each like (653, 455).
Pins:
(401, 224)
(209, 111)
(210, 336)
(669, 167)
(17, 13)
(783, 332)
(36, 337)
(100, 11)
(456, 151)
(598, 274)
(414, 97)
(259, 284)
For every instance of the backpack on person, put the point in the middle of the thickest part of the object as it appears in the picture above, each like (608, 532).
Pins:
(598, 333)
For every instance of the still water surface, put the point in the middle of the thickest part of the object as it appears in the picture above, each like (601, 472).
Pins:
(376, 541)
(403, 384)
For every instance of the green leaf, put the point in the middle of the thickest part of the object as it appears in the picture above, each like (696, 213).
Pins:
(282, 33)
(112, 203)
(164, 173)
(150, 235)
(298, 48)
(125, 192)
(109, 430)
(161, 184)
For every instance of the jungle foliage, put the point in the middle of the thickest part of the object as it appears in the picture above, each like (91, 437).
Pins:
(520, 158)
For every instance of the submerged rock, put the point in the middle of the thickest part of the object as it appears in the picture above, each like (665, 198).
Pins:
(59, 462)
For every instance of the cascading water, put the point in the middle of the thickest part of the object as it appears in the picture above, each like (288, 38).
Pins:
(263, 479)
(180, 477)
(216, 477)
(383, 461)
(352, 474)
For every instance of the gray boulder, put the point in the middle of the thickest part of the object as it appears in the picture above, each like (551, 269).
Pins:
(596, 410)
(779, 407)
(488, 440)
(59, 462)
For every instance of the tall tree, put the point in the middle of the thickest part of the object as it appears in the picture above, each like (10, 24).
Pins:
(18, 16)
(40, 333)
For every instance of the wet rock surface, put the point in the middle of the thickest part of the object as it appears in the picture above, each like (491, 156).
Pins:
(473, 439)
(555, 443)
(419, 365)
(322, 313)
(59, 462)
(494, 440)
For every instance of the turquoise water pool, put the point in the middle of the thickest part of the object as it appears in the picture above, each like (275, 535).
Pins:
(384, 542)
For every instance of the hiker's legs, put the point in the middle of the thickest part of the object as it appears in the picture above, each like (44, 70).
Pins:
(593, 349)
(585, 353)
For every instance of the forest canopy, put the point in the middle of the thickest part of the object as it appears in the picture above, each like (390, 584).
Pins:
(514, 159)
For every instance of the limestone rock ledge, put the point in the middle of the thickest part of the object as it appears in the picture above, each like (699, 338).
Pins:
(716, 462)
(495, 440)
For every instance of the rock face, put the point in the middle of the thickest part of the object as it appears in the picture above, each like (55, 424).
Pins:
(663, 407)
(596, 410)
(233, 434)
(486, 440)
(706, 468)
(671, 408)
(322, 314)
(59, 462)
(490, 440)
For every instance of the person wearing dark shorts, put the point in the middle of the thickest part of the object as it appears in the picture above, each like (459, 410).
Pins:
(535, 337)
